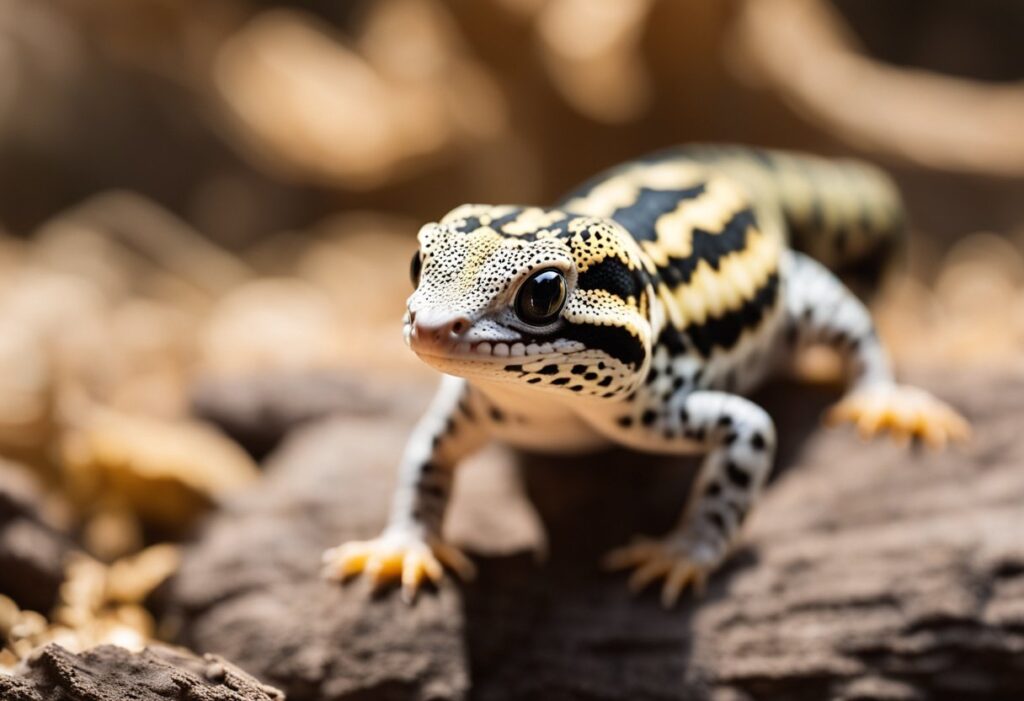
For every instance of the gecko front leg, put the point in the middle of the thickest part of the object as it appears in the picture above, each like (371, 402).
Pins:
(411, 548)
(821, 310)
(740, 439)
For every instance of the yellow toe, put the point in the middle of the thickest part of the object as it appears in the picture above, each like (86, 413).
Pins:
(647, 573)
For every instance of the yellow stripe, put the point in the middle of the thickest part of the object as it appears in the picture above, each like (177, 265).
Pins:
(709, 212)
(622, 190)
(711, 293)
(533, 220)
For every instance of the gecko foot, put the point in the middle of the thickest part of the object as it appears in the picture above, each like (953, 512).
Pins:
(682, 558)
(398, 554)
(907, 412)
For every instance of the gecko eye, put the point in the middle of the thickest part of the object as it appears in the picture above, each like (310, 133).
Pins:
(414, 269)
(541, 297)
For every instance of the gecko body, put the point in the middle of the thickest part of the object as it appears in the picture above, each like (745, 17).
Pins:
(639, 311)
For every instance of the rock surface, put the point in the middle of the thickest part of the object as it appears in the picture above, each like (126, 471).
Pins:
(867, 572)
(32, 547)
(258, 411)
(110, 673)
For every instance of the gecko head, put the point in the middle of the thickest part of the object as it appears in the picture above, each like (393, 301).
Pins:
(537, 297)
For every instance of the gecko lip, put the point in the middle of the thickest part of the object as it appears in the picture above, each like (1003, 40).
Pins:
(482, 350)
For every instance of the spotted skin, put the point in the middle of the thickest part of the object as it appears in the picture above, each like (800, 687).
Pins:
(678, 282)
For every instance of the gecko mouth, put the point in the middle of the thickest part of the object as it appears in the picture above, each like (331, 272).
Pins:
(486, 349)
(525, 348)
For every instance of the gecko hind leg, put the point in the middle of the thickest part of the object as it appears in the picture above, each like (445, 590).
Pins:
(822, 311)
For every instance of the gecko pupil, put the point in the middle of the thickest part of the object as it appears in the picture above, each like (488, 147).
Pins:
(414, 269)
(541, 298)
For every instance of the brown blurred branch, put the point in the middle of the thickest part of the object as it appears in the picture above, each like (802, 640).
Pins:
(804, 50)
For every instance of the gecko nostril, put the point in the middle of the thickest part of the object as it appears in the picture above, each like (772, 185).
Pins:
(458, 326)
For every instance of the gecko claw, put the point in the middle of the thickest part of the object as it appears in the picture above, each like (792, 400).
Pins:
(906, 412)
(682, 560)
(401, 555)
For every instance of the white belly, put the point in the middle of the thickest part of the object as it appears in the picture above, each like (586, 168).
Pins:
(567, 437)
(536, 421)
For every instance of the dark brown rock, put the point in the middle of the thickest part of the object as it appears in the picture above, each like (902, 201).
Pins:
(255, 571)
(866, 572)
(110, 673)
(32, 547)
(259, 410)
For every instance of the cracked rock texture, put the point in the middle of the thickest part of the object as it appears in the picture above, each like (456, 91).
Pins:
(109, 673)
(867, 571)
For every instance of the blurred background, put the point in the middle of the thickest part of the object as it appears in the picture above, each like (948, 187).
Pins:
(194, 192)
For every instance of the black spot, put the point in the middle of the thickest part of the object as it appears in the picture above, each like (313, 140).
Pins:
(678, 383)
(590, 376)
(757, 441)
(713, 490)
(648, 417)
(533, 380)
(737, 510)
(684, 416)
(605, 382)
(496, 414)
(625, 421)
(578, 369)
(716, 518)
(432, 489)
(576, 388)
(548, 370)
(514, 368)
(725, 420)
(652, 375)
(736, 475)
(730, 438)
(560, 381)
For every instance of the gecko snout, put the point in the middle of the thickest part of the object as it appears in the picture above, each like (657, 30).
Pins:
(436, 332)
